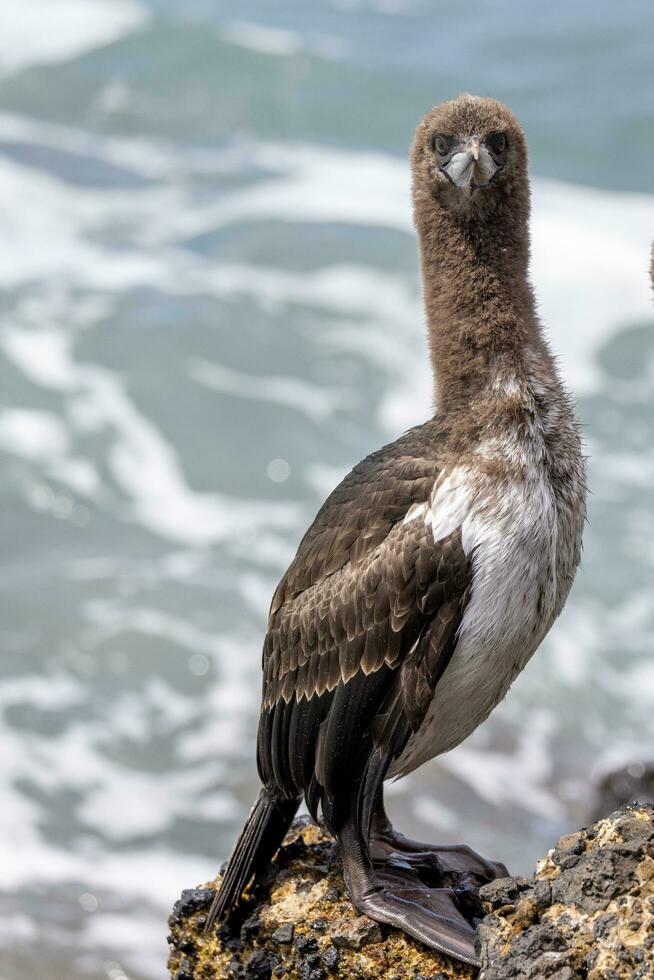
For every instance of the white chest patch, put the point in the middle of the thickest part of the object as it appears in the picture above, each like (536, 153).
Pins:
(509, 529)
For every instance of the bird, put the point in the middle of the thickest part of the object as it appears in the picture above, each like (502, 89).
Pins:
(432, 573)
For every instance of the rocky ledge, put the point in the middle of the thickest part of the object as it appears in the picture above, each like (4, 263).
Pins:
(588, 912)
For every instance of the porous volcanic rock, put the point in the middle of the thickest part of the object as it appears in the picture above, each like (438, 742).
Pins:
(586, 914)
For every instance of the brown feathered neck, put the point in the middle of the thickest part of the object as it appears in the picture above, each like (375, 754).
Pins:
(474, 248)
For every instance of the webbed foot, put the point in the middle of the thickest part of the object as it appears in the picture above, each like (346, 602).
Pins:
(445, 864)
(430, 915)
(393, 893)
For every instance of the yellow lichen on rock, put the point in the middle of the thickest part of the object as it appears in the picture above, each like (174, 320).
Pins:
(588, 912)
(297, 922)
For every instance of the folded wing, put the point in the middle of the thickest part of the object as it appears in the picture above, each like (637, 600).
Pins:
(361, 628)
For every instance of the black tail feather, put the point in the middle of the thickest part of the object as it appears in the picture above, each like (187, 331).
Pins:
(264, 830)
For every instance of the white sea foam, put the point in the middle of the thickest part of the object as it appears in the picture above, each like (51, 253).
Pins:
(391, 8)
(32, 434)
(42, 437)
(281, 42)
(120, 802)
(317, 403)
(38, 31)
(145, 158)
(269, 40)
(143, 464)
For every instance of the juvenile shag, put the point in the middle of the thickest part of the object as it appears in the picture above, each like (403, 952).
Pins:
(432, 573)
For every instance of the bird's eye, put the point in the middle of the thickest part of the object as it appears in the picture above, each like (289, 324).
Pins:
(497, 143)
(441, 144)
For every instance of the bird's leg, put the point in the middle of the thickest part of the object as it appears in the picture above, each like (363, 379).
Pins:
(454, 864)
(390, 896)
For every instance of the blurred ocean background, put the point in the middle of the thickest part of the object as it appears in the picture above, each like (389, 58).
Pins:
(210, 311)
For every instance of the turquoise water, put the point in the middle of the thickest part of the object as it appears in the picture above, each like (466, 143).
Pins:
(210, 311)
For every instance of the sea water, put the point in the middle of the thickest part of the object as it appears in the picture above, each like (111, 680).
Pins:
(210, 310)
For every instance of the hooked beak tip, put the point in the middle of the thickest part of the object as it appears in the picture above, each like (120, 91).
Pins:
(475, 148)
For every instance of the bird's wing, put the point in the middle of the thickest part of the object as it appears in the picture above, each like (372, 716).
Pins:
(358, 515)
(361, 627)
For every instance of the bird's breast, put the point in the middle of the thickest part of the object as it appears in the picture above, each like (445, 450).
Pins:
(509, 530)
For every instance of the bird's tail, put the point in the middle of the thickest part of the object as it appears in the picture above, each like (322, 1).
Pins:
(264, 830)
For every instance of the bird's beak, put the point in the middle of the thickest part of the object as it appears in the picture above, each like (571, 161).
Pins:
(471, 165)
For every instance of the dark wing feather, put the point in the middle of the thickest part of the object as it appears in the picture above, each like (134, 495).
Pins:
(359, 513)
(361, 628)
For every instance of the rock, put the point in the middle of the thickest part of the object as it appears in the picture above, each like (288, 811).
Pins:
(330, 957)
(355, 933)
(298, 923)
(284, 934)
(588, 912)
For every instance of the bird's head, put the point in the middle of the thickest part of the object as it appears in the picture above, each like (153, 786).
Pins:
(467, 152)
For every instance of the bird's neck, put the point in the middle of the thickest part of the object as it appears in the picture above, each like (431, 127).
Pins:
(479, 304)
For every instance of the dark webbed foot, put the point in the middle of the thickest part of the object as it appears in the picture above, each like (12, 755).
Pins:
(394, 894)
(431, 893)
(446, 864)
(430, 915)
